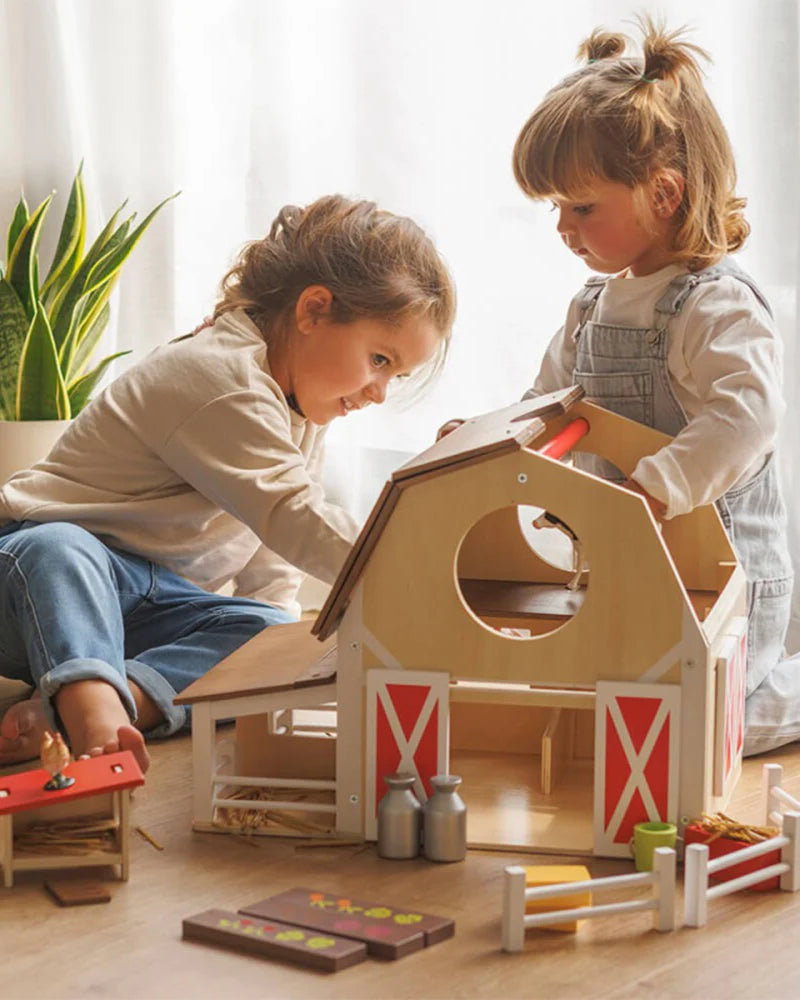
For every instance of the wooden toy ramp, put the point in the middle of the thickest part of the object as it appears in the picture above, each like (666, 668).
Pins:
(495, 433)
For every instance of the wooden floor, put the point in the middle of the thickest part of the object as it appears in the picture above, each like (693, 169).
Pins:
(132, 947)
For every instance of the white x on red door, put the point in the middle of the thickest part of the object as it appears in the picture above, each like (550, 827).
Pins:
(407, 731)
(636, 760)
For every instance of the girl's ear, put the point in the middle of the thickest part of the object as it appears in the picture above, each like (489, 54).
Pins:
(667, 190)
(313, 304)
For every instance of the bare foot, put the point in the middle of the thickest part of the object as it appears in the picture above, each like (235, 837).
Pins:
(97, 722)
(128, 738)
(21, 731)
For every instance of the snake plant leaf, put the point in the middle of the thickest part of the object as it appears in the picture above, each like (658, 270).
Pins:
(48, 335)
(113, 261)
(67, 350)
(88, 341)
(96, 297)
(22, 270)
(115, 250)
(21, 216)
(69, 248)
(13, 329)
(60, 312)
(117, 237)
(81, 388)
(41, 390)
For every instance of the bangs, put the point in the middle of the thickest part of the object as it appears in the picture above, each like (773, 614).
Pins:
(560, 153)
(576, 136)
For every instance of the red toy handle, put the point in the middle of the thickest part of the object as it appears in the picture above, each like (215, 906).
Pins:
(559, 444)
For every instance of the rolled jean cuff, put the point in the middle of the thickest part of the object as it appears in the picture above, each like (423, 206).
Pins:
(161, 693)
(83, 669)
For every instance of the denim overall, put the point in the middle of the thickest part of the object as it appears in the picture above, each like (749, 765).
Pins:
(625, 370)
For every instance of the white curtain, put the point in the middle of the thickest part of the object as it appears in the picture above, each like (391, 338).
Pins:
(246, 105)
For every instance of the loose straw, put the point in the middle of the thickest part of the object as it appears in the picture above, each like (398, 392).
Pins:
(721, 825)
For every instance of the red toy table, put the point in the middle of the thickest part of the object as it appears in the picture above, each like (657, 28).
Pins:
(111, 774)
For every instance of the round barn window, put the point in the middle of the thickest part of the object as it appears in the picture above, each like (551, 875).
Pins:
(521, 571)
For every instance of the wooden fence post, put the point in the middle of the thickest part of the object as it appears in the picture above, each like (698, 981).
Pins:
(513, 908)
(664, 870)
(695, 885)
(790, 854)
(771, 776)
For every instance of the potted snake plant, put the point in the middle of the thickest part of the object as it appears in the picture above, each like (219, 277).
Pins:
(50, 327)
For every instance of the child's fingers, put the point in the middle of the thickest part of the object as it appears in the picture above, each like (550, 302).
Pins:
(448, 428)
(658, 508)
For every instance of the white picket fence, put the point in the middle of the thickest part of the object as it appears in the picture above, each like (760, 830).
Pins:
(773, 796)
(515, 897)
(697, 868)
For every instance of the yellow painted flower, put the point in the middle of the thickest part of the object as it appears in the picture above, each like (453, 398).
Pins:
(320, 942)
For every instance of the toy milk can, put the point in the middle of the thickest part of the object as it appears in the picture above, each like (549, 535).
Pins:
(445, 821)
(399, 818)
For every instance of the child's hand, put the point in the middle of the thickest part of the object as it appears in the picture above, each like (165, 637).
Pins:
(448, 428)
(658, 508)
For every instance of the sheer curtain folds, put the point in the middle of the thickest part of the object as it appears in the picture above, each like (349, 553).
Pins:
(246, 105)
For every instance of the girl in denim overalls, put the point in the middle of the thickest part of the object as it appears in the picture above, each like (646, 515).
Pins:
(674, 334)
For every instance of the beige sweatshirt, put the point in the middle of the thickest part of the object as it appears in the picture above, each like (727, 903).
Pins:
(193, 459)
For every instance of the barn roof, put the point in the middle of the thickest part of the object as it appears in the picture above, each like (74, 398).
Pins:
(487, 435)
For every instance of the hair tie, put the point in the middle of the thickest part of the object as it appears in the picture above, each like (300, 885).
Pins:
(647, 79)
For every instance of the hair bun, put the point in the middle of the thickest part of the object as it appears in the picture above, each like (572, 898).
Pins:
(602, 45)
(287, 220)
(666, 54)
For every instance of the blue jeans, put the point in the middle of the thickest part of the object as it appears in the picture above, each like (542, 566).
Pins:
(72, 608)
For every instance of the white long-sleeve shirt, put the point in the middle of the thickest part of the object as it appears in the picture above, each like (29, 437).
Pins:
(193, 459)
(725, 363)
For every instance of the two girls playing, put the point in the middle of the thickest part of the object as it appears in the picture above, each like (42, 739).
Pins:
(201, 463)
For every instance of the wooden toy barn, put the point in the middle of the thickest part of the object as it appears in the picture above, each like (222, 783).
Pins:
(577, 688)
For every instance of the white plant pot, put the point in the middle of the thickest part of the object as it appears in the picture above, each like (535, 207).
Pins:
(25, 442)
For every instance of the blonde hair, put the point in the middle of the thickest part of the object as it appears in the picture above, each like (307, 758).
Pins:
(624, 118)
(377, 265)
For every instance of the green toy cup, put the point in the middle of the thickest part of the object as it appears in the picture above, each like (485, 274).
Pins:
(646, 838)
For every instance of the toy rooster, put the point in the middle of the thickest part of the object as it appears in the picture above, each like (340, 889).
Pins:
(55, 757)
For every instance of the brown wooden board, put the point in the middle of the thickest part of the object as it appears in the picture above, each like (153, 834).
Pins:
(332, 610)
(528, 600)
(70, 892)
(475, 439)
(490, 434)
(273, 939)
(281, 658)
(387, 931)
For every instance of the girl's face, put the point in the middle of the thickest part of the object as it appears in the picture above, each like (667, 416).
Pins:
(339, 367)
(613, 228)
